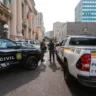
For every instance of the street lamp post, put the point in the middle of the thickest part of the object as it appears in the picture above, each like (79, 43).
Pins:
(6, 27)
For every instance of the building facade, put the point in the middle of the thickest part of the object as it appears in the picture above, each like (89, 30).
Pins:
(85, 11)
(39, 26)
(57, 28)
(77, 28)
(5, 18)
(18, 14)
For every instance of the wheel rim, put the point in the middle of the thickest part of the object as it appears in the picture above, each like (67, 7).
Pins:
(32, 64)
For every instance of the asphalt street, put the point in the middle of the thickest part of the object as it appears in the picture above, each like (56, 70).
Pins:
(46, 80)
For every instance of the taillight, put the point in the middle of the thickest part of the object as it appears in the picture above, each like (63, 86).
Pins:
(83, 63)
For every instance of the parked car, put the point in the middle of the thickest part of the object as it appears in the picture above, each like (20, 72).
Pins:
(78, 54)
(12, 53)
(30, 42)
(34, 43)
(24, 44)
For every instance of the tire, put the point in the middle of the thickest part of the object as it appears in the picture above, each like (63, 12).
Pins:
(67, 75)
(31, 63)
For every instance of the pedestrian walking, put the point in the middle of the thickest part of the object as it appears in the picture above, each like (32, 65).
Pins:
(43, 48)
(51, 50)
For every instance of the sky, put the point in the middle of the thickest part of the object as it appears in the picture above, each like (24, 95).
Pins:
(56, 11)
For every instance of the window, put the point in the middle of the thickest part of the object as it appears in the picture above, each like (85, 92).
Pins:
(4, 43)
(64, 42)
(2, 1)
(83, 41)
(23, 16)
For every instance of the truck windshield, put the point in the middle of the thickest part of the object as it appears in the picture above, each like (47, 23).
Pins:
(83, 41)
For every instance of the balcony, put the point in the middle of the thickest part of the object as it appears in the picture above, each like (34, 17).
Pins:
(5, 11)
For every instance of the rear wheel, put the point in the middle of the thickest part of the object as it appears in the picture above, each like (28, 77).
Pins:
(31, 63)
(67, 75)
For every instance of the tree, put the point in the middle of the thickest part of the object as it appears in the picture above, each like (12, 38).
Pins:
(47, 38)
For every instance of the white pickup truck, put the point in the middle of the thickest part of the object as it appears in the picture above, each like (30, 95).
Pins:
(78, 54)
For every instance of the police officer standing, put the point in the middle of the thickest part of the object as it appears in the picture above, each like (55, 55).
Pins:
(51, 50)
(43, 48)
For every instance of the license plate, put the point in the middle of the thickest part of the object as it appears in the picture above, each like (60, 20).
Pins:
(93, 67)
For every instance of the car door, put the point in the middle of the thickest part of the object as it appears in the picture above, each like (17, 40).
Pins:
(9, 51)
(59, 49)
(62, 49)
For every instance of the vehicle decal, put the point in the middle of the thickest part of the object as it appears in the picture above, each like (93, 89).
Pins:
(18, 56)
(93, 54)
(7, 58)
(68, 49)
(78, 51)
(73, 49)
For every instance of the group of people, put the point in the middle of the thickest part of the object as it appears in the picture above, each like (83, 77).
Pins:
(51, 47)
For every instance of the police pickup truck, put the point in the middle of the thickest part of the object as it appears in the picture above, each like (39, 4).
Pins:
(11, 53)
(78, 54)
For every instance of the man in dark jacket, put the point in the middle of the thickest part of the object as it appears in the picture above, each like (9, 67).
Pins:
(43, 48)
(51, 50)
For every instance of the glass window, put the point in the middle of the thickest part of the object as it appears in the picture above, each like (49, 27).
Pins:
(83, 41)
(32, 42)
(64, 42)
(4, 43)
(18, 43)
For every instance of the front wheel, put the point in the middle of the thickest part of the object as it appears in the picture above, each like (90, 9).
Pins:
(31, 63)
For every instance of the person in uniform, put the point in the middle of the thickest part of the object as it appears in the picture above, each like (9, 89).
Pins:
(43, 48)
(51, 50)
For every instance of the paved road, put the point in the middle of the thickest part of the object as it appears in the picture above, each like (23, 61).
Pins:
(46, 80)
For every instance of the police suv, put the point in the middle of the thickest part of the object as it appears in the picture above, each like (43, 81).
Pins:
(11, 53)
(78, 54)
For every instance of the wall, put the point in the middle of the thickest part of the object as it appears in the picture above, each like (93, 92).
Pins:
(77, 28)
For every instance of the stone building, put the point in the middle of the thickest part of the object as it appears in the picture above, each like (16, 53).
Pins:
(57, 28)
(39, 24)
(19, 15)
(76, 28)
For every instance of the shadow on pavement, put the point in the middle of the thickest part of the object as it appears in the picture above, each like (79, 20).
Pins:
(15, 77)
(77, 89)
(42, 67)
(54, 67)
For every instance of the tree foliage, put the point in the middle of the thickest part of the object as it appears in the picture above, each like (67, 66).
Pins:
(47, 38)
